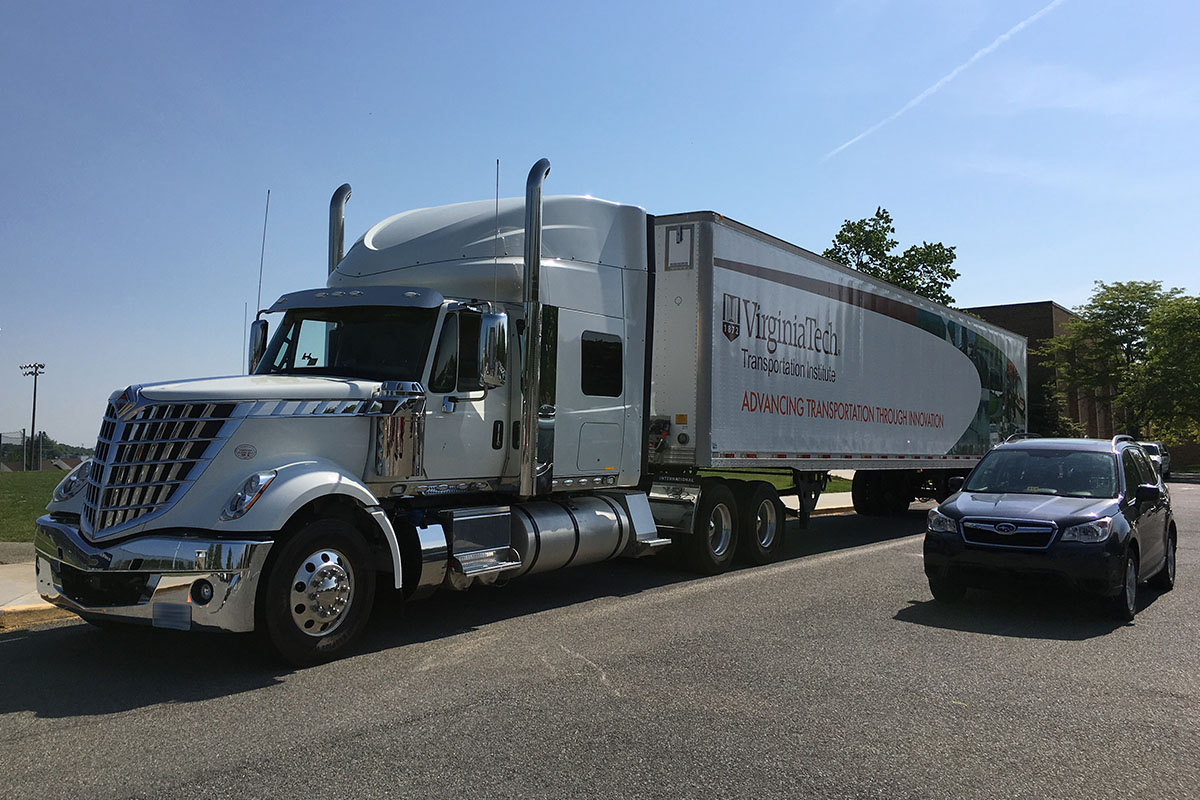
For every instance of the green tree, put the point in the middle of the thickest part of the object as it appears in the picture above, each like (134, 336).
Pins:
(1173, 366)
(1105, 351)
(867, 245)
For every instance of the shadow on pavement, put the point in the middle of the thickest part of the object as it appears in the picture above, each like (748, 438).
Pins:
(76, 670)
(1025, 613)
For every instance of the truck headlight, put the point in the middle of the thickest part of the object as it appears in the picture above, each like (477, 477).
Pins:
(940, 523)
(248, 495)
(69, 486)
(1095, 531)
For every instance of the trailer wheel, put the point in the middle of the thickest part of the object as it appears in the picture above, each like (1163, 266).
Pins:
(894, 495)
(865, 493)
(318, 593)
(714, 537)
(761, 525)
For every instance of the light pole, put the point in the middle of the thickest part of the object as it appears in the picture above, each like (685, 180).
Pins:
(34, 370)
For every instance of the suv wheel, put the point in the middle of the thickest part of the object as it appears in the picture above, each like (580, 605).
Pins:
(1123, 605)
(945, 590)
(1164, 580)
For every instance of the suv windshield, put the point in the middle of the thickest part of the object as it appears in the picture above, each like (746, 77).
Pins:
(1152, 449)
(379, 343)
(1067, 473)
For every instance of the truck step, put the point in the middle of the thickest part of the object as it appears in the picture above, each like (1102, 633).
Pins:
(643, 547)
(483, 562)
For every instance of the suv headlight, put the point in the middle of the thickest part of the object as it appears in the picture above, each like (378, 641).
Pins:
(69, 486)
(1095, 531)
(248, 495)
(940, 523)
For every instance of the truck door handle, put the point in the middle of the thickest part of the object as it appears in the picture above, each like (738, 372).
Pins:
(497, 434)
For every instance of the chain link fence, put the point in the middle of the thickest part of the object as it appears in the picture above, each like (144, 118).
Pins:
(12, 449)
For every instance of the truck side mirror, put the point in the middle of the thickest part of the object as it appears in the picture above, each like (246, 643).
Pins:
(954, 483)
(493, 350)
(258, 342)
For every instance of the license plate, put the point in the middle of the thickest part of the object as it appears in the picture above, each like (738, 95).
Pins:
(176, 616)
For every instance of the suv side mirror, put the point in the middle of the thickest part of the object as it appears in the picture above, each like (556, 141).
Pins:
(1147, 493)
(493, 350)
(258, 343)
(954, 483)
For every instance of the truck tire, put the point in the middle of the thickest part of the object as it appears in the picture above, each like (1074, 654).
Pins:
(761, 527)
(895, 494)
(714, 537)
(318, 593)
(865, 493)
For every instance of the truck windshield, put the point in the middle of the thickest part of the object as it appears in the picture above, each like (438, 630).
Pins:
(379, 343)
(1067, 473)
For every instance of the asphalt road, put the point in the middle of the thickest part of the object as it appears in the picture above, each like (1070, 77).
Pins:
(830, 674)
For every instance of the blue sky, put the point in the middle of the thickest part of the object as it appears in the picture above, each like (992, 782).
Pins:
(139, 139)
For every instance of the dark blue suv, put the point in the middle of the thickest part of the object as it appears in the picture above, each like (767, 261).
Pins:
(1086, 513)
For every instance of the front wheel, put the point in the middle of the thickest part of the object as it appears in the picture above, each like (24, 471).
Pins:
(946, 590)
(1164, 581)
(1123, 605)
(318, 592)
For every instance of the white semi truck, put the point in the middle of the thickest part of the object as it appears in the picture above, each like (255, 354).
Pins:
(487, 390)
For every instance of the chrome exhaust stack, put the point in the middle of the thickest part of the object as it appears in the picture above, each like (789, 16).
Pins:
(535, 469)
(337, 225)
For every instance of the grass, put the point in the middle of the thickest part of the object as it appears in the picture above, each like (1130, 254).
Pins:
(780, 480)
(837, 485)
(23, 498)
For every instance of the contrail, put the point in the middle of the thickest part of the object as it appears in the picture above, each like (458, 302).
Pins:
(916, 101)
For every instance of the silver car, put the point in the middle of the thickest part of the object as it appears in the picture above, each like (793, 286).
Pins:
(1160, 456)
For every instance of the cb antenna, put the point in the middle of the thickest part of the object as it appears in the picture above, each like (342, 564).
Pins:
(496, 242)
(262, 254)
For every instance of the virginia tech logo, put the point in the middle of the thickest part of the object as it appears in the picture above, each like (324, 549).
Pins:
(731, 317)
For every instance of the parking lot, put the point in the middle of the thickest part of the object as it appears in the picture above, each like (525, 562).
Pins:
(829, 674)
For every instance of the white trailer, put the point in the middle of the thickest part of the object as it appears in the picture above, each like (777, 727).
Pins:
(487, 390)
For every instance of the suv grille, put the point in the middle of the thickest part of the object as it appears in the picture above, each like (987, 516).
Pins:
(1016, 533)
(144, 464)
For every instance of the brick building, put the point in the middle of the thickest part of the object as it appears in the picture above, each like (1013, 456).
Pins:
(1037, 322)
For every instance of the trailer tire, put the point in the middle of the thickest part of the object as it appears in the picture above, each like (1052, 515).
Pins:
(761, 527)
(714, 538)
(318, 593)
(866, 492)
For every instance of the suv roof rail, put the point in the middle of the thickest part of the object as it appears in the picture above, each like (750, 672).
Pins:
(1121, 437)
(1016, 437)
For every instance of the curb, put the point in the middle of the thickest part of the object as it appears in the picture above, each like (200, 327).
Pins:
(15, 618)
(826, 512)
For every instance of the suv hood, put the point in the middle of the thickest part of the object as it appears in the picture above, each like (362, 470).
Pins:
(251, 387)
(1028, 506)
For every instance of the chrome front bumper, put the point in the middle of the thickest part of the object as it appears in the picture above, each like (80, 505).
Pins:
(149, 579)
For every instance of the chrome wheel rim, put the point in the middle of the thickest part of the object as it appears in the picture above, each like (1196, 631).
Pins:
(720, 530)
(1130, 585)
(322, 591)
(766, 524)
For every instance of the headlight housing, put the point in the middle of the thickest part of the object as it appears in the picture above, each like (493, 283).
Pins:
(1096, 530)
(71, 485)
(940, 523)
(248, 495)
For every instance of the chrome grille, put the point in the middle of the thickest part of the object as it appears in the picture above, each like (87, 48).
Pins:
(145, 462)
(1013, 533)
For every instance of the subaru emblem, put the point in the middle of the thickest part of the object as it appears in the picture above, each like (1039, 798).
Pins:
(1006, 527)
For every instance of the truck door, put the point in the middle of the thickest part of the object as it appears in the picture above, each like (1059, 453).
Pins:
(465, 427)
(589, 416)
